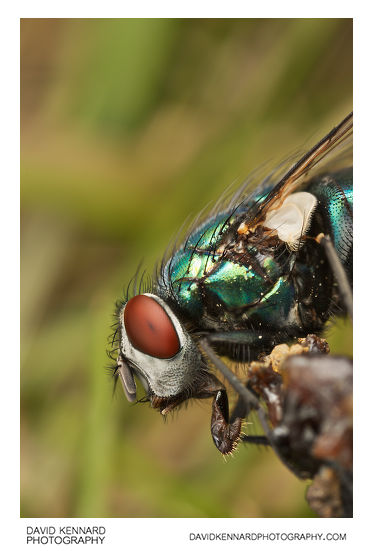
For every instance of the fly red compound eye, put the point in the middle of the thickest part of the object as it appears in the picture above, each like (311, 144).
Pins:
(149, 328)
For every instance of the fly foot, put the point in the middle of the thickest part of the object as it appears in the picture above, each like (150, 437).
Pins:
(224, 434)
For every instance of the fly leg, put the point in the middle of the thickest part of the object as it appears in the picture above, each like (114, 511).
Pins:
(338, 271)
(224, 434)
(223, 428)
(248, 342)
(248, 399)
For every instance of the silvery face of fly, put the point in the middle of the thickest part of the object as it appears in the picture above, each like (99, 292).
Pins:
(249, 277)
(158, 348)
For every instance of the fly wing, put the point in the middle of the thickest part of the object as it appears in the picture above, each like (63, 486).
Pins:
(296, 174)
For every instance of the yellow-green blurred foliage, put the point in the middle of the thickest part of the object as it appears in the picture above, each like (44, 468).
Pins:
(129, 126)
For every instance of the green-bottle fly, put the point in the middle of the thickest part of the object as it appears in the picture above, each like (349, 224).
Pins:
(251, 276)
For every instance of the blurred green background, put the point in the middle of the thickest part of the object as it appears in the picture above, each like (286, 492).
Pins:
(129, 126)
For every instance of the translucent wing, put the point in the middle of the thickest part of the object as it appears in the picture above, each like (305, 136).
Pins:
(292, 180)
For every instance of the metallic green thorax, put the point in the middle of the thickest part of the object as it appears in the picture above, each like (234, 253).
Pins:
(221, 291)
(200, 276)
(221, 283)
